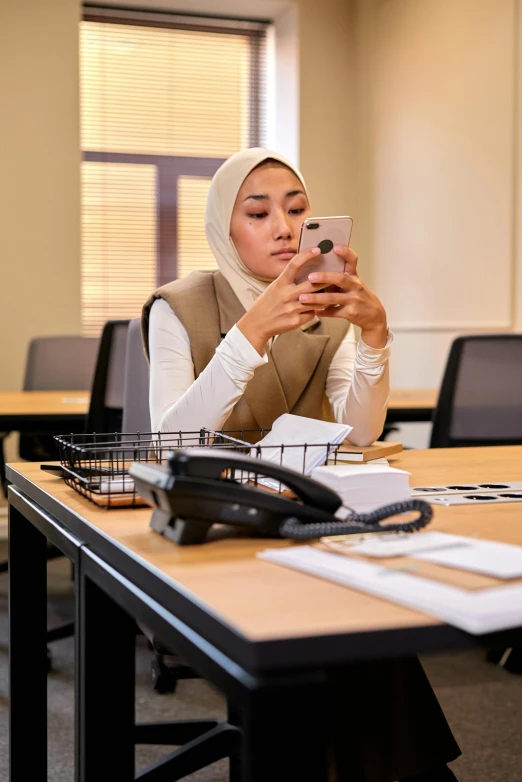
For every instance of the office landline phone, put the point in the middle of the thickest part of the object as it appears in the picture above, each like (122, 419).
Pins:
(202, 487)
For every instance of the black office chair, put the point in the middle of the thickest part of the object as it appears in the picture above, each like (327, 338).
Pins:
(166, 667)
(106, 407)
(480, 404)
(480, 401)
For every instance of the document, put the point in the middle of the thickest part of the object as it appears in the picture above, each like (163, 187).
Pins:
(476, 612)
(299, 443)
(500, 560)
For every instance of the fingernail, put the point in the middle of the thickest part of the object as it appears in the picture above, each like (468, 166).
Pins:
(316, 251)
(304, 297)
(338, 248)
(312, 277)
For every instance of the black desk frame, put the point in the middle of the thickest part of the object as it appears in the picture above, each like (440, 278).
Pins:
(275, 689)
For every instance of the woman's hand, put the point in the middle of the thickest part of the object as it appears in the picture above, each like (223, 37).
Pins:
(279, 309)
(348, 297)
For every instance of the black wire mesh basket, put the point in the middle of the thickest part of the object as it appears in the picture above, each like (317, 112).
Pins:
(97, 465)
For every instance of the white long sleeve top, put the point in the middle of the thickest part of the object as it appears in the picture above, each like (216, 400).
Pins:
(357, 384)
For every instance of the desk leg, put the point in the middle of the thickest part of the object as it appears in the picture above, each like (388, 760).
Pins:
(27, 650)
(285, 732)
(105, 681)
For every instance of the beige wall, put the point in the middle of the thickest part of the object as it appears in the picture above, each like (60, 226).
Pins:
(438, 99)
(39, 161)
(327, 97)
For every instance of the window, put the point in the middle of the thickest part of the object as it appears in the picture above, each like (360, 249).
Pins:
(164, 101)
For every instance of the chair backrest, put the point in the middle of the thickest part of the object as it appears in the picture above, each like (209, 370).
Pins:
(64, 363)
(480, 401)
(136, 415)
(106, 407)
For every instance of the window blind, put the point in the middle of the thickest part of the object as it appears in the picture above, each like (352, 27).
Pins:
(165, 99)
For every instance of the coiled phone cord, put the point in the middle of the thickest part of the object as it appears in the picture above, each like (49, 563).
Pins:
(361, 522)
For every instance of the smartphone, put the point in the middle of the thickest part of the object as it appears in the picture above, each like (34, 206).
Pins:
(323, 232)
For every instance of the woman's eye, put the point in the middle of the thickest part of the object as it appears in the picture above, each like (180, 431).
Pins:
(258, 215)
(297, 211)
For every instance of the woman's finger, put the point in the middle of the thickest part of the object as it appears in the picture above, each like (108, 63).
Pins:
(350, 258)
(323, 299)
(334, 312)
(338, 279)
(292, 267)
(307, 287)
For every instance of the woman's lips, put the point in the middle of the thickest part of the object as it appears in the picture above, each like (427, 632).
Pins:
(284, 255)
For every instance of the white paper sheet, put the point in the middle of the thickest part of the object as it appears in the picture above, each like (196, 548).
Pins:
(477, 612)
(405, 544)
(294, 431)
(500, 560)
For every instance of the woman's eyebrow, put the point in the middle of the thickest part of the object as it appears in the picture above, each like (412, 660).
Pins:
(257, 197)
(264, 197)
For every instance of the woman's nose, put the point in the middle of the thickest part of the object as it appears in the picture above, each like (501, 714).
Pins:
(283, 228)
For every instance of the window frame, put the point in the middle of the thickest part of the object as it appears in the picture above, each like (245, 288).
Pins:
(171, 167)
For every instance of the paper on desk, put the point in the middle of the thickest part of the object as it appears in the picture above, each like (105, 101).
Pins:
(307, 443)
(117, 485)
(365, 487)
(490, 558)
(403, 545)
(501, 560)
(477, 612)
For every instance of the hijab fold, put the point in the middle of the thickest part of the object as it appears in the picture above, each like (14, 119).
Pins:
(222, 196)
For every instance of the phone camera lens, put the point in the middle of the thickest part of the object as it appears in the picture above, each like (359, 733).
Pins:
(311, 226)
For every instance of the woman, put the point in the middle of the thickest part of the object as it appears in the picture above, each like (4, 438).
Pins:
(313, 368)
(237, 347)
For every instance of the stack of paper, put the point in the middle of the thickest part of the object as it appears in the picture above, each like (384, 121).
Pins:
(307, 442)
(365, 487)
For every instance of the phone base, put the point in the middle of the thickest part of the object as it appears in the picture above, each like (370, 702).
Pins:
(180, 531)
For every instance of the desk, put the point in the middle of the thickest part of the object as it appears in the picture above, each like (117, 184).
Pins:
(411, 405)
(261, 633)
(20, 410)
(53, 412)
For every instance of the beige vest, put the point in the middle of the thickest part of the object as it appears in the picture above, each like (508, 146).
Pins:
(293, 380)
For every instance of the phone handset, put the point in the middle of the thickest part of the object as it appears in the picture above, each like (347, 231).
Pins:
(212, 464)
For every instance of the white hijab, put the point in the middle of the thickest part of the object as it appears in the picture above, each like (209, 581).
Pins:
(222, 196)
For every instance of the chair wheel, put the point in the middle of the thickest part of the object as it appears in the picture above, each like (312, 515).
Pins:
(164, 680)
(49, 660)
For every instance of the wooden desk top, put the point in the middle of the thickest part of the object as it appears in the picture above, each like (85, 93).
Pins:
(43, 403)
(413, 398)
(18, 403)
(264, 601)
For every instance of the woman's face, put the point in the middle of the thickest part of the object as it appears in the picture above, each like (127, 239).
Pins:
(267, 217)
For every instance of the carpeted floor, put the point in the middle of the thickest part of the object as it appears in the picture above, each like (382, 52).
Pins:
(482, 703)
